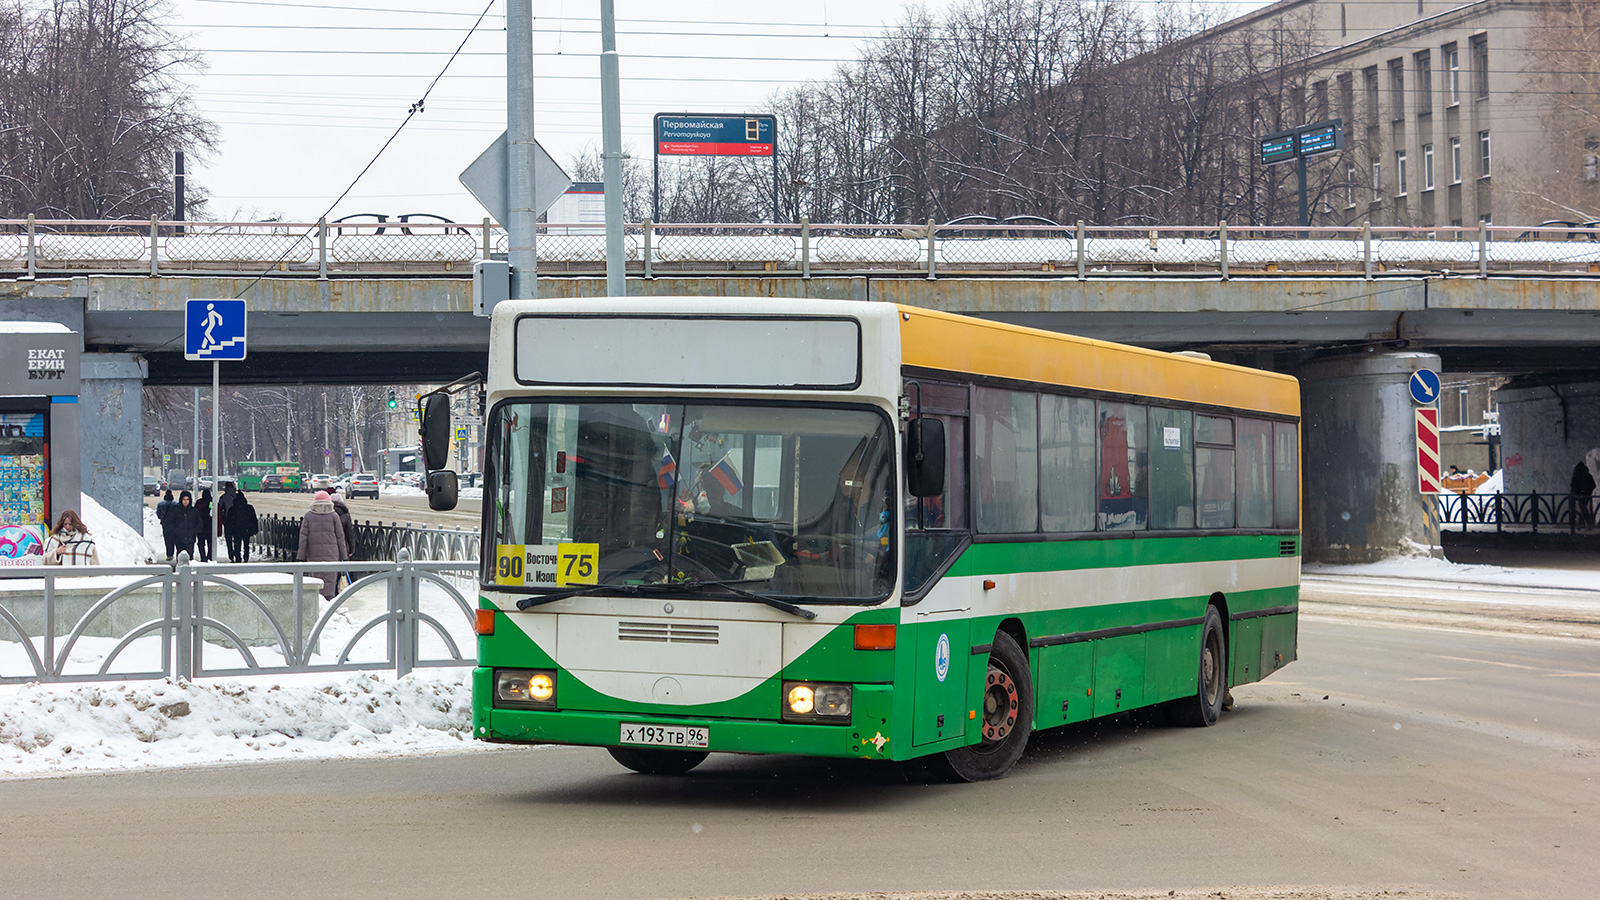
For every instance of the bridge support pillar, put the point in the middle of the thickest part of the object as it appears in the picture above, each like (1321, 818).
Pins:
(111, 433)
(1360, 500)
(1545, 429)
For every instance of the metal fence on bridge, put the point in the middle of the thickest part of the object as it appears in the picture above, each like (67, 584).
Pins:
(99, 623)
(1526, 513)
(349, 249)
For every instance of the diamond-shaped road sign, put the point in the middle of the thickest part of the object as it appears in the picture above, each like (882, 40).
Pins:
(214, 329)
(485, 178)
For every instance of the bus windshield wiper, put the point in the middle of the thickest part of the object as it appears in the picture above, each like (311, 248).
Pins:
(663, 587)
(774, 602)
(625, 590)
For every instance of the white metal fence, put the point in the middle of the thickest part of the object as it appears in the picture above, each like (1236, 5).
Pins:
(95, 623)
(347, 248)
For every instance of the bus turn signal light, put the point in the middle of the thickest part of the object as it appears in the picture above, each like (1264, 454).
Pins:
(874, 637)
(483, 622)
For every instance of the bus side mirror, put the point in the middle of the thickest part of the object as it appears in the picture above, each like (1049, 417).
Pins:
(925, 457)
(443, 490)
(435, 431)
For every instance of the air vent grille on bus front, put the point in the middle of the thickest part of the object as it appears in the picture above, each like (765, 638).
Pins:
(667, 632)
(1287, 548)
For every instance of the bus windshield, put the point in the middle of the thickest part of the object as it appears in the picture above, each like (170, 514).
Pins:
(788, 501)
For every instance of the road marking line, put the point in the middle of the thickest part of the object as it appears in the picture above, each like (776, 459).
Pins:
(1572, 675)
(1490, 662)
(1435, 678)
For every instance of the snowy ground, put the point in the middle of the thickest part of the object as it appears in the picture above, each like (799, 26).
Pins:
(52, 729)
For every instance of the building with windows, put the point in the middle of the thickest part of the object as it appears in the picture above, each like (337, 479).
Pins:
(1454, 113)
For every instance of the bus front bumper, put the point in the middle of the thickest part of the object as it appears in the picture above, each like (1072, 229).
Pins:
(866, 736)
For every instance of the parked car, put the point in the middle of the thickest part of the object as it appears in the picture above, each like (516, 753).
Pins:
(271, 483)
(363, 485)
(152, 486)
(321, 481)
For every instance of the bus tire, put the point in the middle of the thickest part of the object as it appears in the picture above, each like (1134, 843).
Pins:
(657, 762)
(1211, 682)
(1007, 716)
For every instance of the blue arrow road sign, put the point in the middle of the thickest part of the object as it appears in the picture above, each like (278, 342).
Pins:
(214, 329)
(1425, 386)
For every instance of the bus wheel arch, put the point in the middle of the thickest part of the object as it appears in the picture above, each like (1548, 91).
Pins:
(1005, 715)
(1204, 707)
(1221, 603)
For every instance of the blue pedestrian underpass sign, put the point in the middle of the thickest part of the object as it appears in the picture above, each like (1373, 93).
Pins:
(214, 329)
(1425, 386)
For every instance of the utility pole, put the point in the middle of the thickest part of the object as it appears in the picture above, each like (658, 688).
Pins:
(611, 139)
(522, 215)
(195, 465)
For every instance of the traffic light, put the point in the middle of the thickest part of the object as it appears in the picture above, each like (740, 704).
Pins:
(392, 401)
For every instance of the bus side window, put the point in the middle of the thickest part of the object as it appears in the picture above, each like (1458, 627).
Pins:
(1286, 475)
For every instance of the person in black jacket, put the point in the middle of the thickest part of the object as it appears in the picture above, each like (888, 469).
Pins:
(185, 524)
(242, 526)
(1582, 489)
(164, 516)
(224, 502)
(203, 537)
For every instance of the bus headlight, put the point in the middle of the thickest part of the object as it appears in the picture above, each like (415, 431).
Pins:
(525, 688)
(809, 701)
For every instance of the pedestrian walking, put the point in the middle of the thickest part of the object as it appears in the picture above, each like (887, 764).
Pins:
(185, 524)
(1582, 494)
(346, 523)
(204, 537)
(242, 526)
(322, 540)
(224, 506)
(164, 516)
(69, 544)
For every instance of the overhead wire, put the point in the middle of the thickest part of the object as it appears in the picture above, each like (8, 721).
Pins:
(411, 113)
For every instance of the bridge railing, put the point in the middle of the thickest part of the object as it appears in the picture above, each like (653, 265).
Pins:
(1531, 512)
(98, 623)
(369, 246)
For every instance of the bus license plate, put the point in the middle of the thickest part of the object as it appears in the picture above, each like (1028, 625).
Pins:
(666, 735)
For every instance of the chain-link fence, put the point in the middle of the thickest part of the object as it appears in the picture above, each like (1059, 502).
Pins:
(426, 244)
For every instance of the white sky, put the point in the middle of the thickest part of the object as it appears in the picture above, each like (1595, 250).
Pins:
(304, 92)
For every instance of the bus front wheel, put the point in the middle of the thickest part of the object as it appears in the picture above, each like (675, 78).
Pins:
(1205, 707)
(1007, 716)
(657, 762)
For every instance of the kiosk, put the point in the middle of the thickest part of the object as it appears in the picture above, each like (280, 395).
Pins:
(39, 455)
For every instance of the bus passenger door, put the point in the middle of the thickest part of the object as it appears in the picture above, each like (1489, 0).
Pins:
(941, 654)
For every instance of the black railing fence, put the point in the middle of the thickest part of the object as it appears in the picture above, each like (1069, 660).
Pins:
(1515, 512)
(279, 539)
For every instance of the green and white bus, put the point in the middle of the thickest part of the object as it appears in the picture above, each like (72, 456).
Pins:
(290, 476)
(870, 531)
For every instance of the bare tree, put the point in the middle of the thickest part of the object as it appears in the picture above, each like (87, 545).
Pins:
(90, 111)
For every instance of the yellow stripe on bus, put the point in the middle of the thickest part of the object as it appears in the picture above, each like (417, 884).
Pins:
(937, 340)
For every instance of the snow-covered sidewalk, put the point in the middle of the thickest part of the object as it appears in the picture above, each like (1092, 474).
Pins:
(54, 729)
(1440, 570)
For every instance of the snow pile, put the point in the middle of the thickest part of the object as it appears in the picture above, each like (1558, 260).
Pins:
(1435, 569)
(47, 729)
(115, 542)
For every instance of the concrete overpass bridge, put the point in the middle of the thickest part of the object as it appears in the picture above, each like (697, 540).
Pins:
(1350, 314)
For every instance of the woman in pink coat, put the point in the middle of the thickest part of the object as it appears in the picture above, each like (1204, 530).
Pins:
(322, 540)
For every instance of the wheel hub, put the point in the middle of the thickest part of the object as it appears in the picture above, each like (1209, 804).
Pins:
(1000, 705)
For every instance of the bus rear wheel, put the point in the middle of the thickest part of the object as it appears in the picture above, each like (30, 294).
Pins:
(1007, 716)
(1211, 681)
(657, 762)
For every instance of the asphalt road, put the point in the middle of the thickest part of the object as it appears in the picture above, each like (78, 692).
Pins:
(1391, 755)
